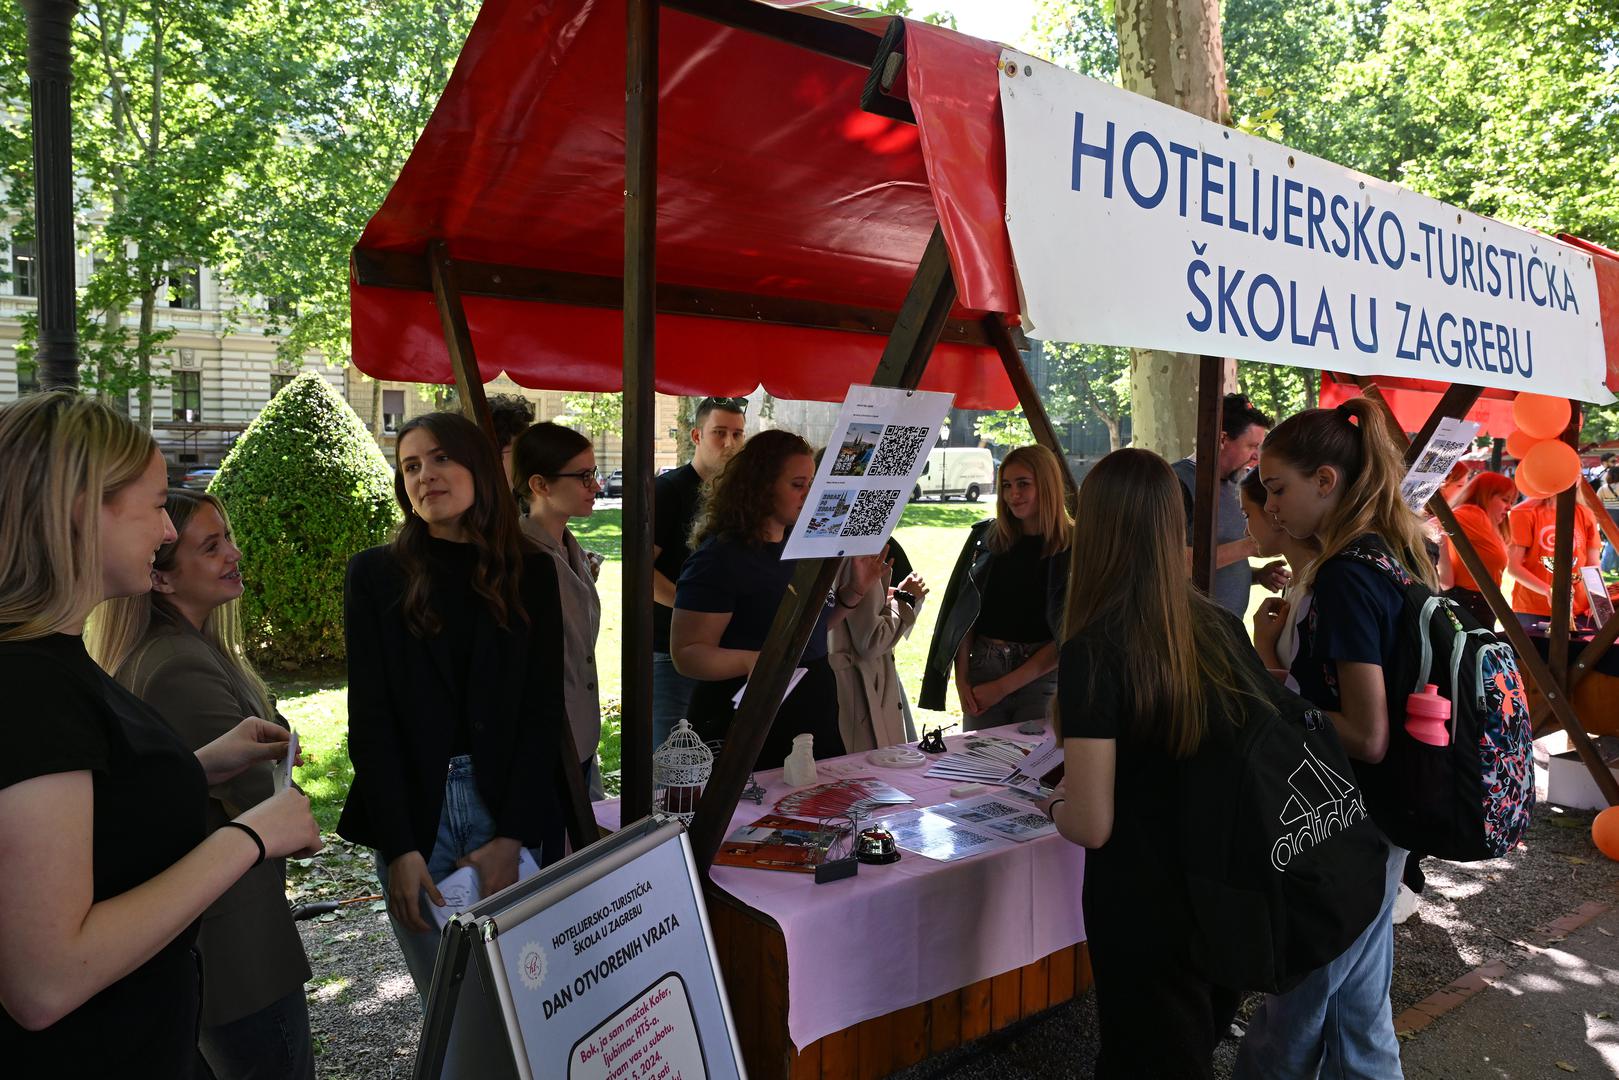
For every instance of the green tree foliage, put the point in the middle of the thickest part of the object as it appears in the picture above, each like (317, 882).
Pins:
(594, 414)
(306, 488)
(1006, 427)
(376, 70)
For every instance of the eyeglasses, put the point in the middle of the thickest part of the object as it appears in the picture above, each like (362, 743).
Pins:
(587, 477)
(739, 404)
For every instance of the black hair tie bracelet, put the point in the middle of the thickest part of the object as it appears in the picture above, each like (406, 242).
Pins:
(248, 829)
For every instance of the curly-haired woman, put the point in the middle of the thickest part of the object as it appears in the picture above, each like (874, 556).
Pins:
(733, 583)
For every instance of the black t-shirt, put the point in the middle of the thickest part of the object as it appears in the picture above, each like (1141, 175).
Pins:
(1137, 871)
(747, 580)
(1354, 615)
(151, 802)
(676, 496)
(450, 567)
(1014, 595)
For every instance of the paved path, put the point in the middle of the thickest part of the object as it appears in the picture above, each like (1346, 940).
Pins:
(1547, 1016)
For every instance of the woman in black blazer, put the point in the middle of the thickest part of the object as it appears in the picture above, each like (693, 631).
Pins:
(454, 635)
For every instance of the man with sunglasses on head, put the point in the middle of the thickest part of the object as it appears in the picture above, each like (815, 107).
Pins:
(717, 436)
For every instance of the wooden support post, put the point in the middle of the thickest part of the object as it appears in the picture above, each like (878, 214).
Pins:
(1563, 562)
(1593, 503)
(581, 822)
(640, 401)
(917, 330)
(1583, 665)
(1034, 410)
(452, 318)
(1205, 508)
(1530, 663)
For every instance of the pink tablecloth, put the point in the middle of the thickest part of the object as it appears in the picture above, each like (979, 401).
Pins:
(898, 935)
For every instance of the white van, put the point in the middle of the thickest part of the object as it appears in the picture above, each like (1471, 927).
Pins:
(967, 471)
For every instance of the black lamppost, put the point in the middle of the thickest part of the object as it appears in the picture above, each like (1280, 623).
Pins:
(50, 78)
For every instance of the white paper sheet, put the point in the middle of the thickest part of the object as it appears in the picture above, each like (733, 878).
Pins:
(877, 450)
(1451, 439)
(461, 890)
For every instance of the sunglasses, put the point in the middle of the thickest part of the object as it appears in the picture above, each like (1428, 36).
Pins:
(740, 404)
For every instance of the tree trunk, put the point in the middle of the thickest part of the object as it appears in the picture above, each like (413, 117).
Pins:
(1171, 52)
(685, 420)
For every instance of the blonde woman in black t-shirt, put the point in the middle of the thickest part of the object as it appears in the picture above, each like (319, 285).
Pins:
(997, 630)
(104, 864)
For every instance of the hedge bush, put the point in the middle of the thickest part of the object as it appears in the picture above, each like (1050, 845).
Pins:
(306, 487)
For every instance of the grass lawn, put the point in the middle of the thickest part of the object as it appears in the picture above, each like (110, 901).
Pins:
(317, 702)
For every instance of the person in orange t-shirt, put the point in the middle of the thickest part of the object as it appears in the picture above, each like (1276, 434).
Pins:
(1481, 510)
(1533, 527)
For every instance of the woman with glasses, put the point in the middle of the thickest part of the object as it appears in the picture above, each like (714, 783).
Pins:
(454, 634)
(554, 478)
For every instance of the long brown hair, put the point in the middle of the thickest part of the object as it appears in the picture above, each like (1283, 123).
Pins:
(490, 523)
(1358, 438)
(738, 500)
(61, 457)
(1052, 511)
(1128, 579)
(119, 626)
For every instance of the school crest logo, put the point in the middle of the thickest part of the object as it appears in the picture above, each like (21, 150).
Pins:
(531, 965)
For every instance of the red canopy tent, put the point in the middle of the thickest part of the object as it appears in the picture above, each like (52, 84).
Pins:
(790, 219)
(822, 195)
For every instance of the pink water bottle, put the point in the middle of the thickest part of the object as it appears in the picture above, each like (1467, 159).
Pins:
(1425, 716)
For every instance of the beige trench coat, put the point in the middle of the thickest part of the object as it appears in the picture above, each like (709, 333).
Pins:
(861, 654)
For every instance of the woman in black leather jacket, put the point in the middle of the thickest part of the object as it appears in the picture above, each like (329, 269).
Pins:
(997, 632)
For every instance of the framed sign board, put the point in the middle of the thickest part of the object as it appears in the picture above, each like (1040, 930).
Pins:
(601, 967)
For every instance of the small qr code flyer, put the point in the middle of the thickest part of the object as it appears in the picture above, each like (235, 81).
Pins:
(878, 449)
(1452, 439)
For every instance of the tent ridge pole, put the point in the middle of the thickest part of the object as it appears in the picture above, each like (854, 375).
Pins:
(1034, 410)
(458, 339)
(905, 357)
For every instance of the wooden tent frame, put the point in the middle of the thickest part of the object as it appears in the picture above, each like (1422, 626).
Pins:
(921, 323)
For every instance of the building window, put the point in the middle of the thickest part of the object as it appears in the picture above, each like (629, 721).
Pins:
(24, 268)
(393, 411)
(27, 377)
(282, 307)
(279, 380)
(186, 392)
(185, 286)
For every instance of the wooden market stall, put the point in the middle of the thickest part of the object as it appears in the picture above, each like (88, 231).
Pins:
(705, 197)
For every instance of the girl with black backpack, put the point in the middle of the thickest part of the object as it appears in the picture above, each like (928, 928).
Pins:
(1333, 475)
(1149, 671)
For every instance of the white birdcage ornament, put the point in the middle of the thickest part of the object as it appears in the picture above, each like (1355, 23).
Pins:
(680, 769)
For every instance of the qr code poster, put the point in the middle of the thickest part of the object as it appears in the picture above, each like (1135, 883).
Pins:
(1452, 439)
(877, 450)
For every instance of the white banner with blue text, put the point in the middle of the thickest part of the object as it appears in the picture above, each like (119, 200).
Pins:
(1134, 223)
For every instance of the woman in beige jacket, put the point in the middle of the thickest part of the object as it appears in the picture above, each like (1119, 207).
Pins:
(871, 701)
(178, 648)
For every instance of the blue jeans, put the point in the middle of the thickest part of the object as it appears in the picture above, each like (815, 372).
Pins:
(671, 694)
(989, 660)
(1610, 558)
(464, 825)
(1337, 1023)
(271, 1044)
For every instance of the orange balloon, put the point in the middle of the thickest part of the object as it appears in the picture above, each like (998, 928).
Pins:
(1528, 489)
(1551, 466)
(1519, 442)
(1605, 832)
(1540, 416)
